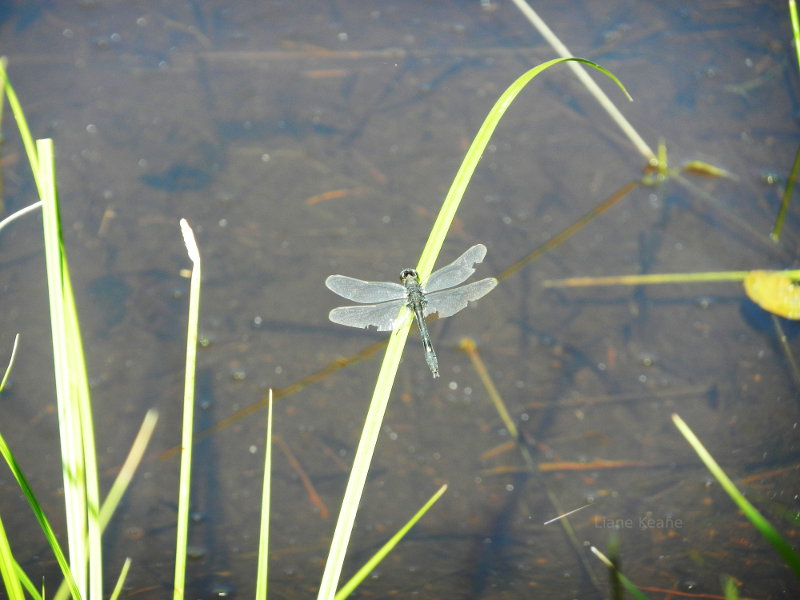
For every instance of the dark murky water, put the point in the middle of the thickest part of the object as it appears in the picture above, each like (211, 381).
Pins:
(302, 139)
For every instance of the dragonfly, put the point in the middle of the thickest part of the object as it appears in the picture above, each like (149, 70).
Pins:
(380, 301)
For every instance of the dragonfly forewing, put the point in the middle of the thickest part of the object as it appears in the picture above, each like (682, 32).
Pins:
(457, 271)
(448, 302)
(365, 291)
(381, 316)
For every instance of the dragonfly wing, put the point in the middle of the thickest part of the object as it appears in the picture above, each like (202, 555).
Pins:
(448, 302)
(365, 291)
(457, 271)
(381, 316)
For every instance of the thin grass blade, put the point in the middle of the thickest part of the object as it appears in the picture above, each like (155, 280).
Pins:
(8, 568)
(182, 535)
(263, 538)
(49, 534)
(123, 575)
(394, 350)
(790, 557)
(22, 123)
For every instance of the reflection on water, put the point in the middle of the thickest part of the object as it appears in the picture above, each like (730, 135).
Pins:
(298, 142)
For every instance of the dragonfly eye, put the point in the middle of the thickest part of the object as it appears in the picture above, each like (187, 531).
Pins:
(406, 273)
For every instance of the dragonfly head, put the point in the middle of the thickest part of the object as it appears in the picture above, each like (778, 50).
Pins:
(409, 274)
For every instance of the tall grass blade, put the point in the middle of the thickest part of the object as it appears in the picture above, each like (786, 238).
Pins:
(123, 575)
(81, 490)
(124, 477)
(795, 30)
(397, 340)
(790, 557)
(3, 64)
(263, 538)
(132, 461)
(184, 485)
(49, 534)
(8, 568)
(22, 124)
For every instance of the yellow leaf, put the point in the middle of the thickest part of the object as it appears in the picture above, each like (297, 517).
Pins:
(775, 292)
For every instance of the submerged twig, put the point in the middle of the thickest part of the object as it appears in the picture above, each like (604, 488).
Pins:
(787, 194)
(587, 81)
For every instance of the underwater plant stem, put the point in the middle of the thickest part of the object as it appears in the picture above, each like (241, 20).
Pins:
(787, 349)
(594, 89)
(570, 230)
(787, 194)
(20, 213)
(653, 278)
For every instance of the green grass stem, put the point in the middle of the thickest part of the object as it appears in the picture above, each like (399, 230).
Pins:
(397, 340)
(3, 64)
(790, 557)
(263, 538)
(184, 485)
(795, 30)
(49, 534)
(22, 124)
(81, 489)
(8, 568)
(123, 575)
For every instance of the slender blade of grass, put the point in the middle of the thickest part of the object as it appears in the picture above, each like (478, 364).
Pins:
(124, 477)
(81, 489)
(8, 568)
(361, 462)
(795, 30)
(397, 340)
(790, 557)
(263, 538)
(10, 362)
(22, 124)
(461, 180)
(7, 563)
(49, 534)
(123, 575)
(184, 485)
